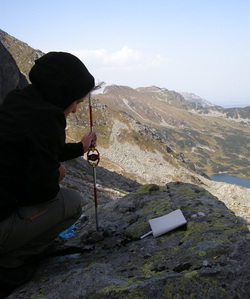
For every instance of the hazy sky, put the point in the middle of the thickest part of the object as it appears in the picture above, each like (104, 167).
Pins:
(198, 46)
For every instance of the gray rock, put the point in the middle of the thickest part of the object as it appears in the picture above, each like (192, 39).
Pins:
(10, 76)
(207, 258)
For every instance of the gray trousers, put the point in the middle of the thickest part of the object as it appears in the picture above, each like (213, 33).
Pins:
(30, 230)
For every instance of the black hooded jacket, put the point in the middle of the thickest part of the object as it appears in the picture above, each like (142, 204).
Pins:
(32, 131)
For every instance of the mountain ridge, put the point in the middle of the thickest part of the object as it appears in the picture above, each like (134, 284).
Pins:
(191, 97)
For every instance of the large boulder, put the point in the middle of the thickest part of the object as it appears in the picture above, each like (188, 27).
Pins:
(10, 75)
(207, 258)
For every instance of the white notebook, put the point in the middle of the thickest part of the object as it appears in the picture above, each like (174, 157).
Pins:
(164, 224)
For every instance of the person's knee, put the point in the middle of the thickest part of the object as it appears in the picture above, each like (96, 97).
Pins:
(79, 207)
(72, 202)
(76, 201)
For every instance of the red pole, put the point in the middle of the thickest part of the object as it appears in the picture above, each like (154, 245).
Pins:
(93, 164)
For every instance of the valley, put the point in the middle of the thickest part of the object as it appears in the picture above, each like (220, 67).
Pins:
(164, 123)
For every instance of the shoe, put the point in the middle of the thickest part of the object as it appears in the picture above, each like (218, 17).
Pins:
(16, 276)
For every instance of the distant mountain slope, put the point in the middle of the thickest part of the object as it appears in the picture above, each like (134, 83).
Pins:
(149, 105)
(191, 97)
(208, 143)
(172, 98)
(236, 114)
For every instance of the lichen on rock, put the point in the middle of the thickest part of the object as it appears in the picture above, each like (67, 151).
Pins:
(206, 258)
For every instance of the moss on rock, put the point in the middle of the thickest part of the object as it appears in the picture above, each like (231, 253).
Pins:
(204, 259)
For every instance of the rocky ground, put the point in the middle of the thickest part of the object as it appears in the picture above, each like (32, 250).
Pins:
(207, 258)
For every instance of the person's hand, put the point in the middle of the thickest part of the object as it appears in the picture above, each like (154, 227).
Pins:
(62, 171)
(89, 140)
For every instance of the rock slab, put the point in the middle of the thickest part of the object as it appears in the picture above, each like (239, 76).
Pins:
(207, 258)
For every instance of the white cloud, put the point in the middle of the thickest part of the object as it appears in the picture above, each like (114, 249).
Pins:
(125, 66)
(126, 58)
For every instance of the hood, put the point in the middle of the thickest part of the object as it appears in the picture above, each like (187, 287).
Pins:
(61, 78)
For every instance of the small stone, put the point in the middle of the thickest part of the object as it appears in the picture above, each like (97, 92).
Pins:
(205, 263)
(201, 214)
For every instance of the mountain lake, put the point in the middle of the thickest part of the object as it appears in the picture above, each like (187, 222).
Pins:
(230, 179)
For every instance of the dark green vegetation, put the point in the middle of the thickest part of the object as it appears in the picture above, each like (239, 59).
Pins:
(235, 113)
(218, 148)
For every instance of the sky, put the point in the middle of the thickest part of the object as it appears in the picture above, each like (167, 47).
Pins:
(196, 46)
